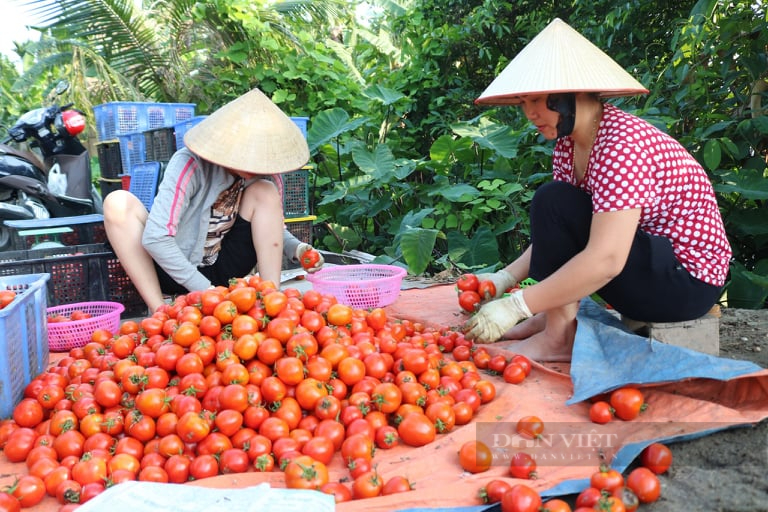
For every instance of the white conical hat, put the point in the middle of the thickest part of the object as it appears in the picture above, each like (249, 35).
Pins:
(559, 59)
(250, 134)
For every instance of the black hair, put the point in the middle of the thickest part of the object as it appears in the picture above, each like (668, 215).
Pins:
(565, 105)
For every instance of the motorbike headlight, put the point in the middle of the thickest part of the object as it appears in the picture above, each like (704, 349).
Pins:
(74, 121)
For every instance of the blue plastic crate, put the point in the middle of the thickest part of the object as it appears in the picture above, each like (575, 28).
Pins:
(301, 122)
(123, 118)
(144, 180)
(181, 129)
(133, 150)
(24, 349)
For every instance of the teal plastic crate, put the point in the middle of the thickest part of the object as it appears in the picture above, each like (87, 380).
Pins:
(295, 186)
(24, 349)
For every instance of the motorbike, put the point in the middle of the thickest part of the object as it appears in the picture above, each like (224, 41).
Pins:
(51, 176)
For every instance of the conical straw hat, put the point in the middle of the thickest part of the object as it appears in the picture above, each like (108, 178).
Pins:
(559, 59)
(250, 134)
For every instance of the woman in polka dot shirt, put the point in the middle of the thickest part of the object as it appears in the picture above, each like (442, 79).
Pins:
(630, 214)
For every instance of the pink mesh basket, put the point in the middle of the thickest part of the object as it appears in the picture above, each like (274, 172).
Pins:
(360, 286)
(64, 336)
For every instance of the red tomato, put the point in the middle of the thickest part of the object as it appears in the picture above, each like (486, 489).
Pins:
(416, 430)
(475, 457)
(486, 290)
(367, 485)
(494, 491)
(303, 472)
(656, 457)
(606, 479)
(530, 426)
(628, 403)
(309, 259)
(29, 490)
(341, 493)
(395, 485)
(520, 498)
(522, 465)
(513, 373)
(645, 484)
(467, 282)
(601, 412)
(469, 301)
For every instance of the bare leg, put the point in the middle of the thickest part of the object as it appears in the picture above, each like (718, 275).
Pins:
(527, 328)
(555, 341)
(124, 220)
(262, 206)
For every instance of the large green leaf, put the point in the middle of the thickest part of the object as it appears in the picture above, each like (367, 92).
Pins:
(416, 245)
(382, 94)
(446, 148)
(342, 189)
(712, 154)
(482, 250)
(490, 135)
(329, 124)
(750, 183)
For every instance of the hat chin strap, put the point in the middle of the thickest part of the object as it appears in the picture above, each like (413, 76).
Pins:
(565, 105)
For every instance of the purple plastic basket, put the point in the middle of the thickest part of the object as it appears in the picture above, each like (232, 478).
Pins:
(63, 336)
(360, 286)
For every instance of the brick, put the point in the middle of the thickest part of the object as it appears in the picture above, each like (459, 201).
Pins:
(701, 334)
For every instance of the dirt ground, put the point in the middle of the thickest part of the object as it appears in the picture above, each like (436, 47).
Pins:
(724, 471)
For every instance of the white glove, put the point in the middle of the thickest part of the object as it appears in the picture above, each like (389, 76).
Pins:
(495, 318)
(501, 279)
(304, 247)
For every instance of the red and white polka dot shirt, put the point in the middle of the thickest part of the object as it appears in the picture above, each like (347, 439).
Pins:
(635, 165)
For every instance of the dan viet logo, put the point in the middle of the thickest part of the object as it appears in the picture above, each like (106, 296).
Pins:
(559, 444)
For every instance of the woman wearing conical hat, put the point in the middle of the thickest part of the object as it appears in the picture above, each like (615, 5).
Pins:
(629, 214)
(217, 212)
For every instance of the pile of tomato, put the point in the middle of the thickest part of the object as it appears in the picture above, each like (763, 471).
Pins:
(243, 378)
(73, 316)
(608, 490)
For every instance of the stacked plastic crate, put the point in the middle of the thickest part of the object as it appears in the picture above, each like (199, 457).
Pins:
(132, 133)
(295, 186)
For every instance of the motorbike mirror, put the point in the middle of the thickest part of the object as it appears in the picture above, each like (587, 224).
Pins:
(74, 121)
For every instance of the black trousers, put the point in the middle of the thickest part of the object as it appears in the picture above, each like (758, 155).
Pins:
(237, 258)
(652, 287)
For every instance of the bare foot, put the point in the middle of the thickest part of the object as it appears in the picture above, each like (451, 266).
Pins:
(548, 345)
(527, 328)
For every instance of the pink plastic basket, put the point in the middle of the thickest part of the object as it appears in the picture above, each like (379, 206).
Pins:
(64, 336)
(360, 286)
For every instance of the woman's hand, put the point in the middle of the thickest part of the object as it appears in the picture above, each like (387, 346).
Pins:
(310, 259)
(495, 318)
(502, 280)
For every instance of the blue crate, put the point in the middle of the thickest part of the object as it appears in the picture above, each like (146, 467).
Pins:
(144, 180)
(181, 129)
(24, 348)
(123, 118)
(301, 122)
(133, 150)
